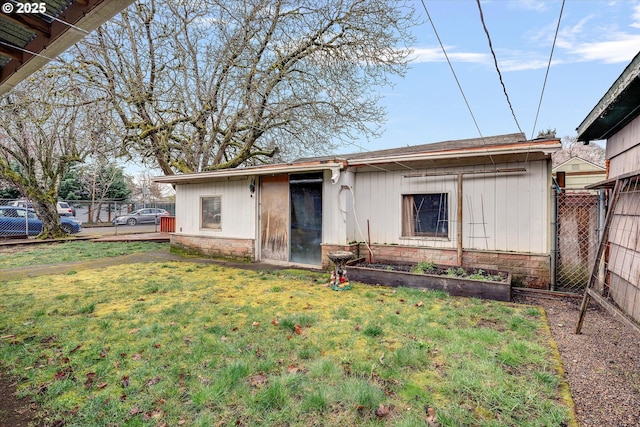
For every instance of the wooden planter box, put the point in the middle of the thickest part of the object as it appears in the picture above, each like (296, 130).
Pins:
(458, 286)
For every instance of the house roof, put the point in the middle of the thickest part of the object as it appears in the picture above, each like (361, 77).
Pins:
(473, 143)
(576, 159)
(30, 40)
(619, 106)
(498, 146)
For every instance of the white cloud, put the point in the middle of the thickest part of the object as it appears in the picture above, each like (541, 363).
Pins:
(435, 54)
(621, 49)
(507, 60)
(534, 5)
(587, 41)
(636, 16)
(523, 64)
(568, 35)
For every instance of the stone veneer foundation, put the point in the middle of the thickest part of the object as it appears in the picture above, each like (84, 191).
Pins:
(240, 249)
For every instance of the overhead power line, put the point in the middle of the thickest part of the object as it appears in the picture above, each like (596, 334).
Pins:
(455, 76)
(555, 38)
(495, 61)
(451, 67)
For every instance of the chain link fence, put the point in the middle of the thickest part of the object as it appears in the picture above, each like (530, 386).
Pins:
(579, 218)
(21, 223)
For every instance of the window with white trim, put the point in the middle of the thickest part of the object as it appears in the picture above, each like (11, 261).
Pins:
(425, 215)
(211, 212)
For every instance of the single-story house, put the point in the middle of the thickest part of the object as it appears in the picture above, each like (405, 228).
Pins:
(576, 173)
(616, 119)
(483, 202)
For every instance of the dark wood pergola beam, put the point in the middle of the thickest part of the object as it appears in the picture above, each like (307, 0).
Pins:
(70, 15)
(31, 22)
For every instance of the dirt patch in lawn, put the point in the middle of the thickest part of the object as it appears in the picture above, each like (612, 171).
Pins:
(15, 412)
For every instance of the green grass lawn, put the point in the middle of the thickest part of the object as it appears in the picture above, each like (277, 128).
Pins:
(54, 253)
(181, 343)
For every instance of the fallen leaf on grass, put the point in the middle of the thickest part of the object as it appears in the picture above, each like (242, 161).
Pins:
(357, 327)
(432, 418)
(152, 414)
(89, 382)
(382, 411)
(154, 381)
(75, 349)
(102, 385)
(275, 322)
(419, 304)
(137, 356)
(298, 329)
(255, 324)
(135, 410)
(292, 369)
(65, 373)
(258, 380)
(134, 331)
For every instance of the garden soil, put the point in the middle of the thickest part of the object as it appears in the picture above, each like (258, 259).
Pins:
(602, 364)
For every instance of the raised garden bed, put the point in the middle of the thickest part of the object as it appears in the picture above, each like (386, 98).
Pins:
(458, 281)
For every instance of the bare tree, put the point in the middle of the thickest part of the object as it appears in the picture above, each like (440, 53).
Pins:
(571, 147)
(218, 84)
(45, 127)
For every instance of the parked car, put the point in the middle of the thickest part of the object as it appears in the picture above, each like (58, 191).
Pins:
(22, 204)
(17, 221)
(141, 216)
(64, 209)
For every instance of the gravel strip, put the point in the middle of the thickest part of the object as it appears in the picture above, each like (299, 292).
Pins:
(602, 364)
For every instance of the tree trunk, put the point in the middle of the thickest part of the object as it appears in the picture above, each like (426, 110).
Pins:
(48, 214)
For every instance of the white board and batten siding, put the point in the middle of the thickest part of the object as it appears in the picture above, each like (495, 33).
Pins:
(337, 209)
(623, 150)
(501, 212)
(238, 206)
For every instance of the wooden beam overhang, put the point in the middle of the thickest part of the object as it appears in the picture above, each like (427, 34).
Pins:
(50, 39)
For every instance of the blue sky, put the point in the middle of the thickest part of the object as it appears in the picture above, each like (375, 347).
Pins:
(596, 41)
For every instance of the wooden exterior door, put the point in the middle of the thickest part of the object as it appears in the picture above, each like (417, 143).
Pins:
(274, 218)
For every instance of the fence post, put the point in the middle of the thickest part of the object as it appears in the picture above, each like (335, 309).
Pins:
(553, 267)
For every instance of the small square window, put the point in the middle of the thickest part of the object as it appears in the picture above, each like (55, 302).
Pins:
(425, 215)
(211, 212)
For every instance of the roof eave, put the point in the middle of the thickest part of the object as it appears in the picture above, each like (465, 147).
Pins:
(616, 108)
(89, 22)
(334, 166)
(547, 147)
